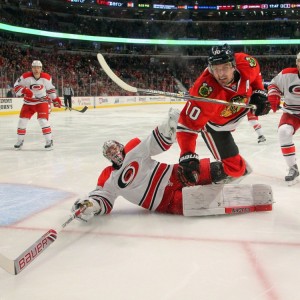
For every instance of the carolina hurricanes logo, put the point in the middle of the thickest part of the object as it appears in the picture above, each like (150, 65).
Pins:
(36, 87)
(128, 174)
(295, 90)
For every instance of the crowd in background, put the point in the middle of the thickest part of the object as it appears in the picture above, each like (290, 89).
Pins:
(85, 75)
(144, 66)
(184, 28)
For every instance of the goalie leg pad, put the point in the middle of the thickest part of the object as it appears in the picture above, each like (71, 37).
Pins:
(226, 199)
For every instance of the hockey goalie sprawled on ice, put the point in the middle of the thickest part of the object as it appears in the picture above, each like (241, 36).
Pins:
(155, 186)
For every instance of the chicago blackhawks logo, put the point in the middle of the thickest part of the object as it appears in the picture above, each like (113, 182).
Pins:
(128, 174)
(295, 90)
(251, 61)
(231, 109)
(205, 90)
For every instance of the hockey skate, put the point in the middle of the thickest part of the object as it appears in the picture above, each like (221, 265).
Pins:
(261, 139)
(19, 145)
(49, 145)
(291, 177)
(219, 176)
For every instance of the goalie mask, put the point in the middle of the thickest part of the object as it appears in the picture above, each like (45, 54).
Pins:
(114, 152)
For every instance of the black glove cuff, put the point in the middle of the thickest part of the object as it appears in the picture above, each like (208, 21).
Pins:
(260, 92)
(188, 157)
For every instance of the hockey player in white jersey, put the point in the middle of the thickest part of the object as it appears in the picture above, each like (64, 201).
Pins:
(37, 90)
(153, 185)
(287, 84)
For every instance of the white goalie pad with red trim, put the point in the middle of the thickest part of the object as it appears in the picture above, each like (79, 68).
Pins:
(222, 199)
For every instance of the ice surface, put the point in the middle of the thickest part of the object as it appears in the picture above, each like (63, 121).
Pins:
(132, 253)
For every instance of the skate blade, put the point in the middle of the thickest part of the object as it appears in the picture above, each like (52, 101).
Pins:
(292, 182)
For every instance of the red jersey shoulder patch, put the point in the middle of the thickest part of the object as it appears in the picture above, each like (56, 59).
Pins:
(290, 71)
(131, 144)
(45, 75)
(245, 59)
(105, 174)
(27, 75)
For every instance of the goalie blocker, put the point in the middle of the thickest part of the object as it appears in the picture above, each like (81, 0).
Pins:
(222, 199)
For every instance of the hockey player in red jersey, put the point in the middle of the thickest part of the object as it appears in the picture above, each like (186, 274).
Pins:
(230, 77)
(287, 84)
(155, 186)
(37, 90)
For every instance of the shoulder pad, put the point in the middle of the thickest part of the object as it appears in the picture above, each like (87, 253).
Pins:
(290, 71)
(45, 75)
(27, 74)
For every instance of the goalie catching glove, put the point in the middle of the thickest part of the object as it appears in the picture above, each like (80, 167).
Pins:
(260, 99)
(92, 208)
(57, 102)
(188, 169)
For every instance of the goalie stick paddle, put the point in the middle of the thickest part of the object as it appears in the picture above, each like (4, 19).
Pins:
(15, 266)
(81, 110)
(133, 89)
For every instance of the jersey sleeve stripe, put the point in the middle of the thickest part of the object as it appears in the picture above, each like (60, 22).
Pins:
(161, 140)
(149, 196)
(182, 128)
(105, 205)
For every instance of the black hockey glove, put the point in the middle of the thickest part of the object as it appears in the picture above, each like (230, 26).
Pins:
(188, 169)
(217, 172)
(260, 99)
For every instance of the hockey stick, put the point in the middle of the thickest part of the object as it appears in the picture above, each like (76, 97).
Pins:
(81, 111)
(17, 265)
(133, 89)
(295, 114)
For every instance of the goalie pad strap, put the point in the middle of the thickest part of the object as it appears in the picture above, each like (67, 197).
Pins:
(205, 175)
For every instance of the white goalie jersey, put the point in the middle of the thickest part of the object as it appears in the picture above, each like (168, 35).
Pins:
(154, 185)
(141, 180)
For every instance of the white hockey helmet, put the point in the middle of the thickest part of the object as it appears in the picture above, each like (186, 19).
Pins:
(36, 63)
(113, 151)
(298, 55)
